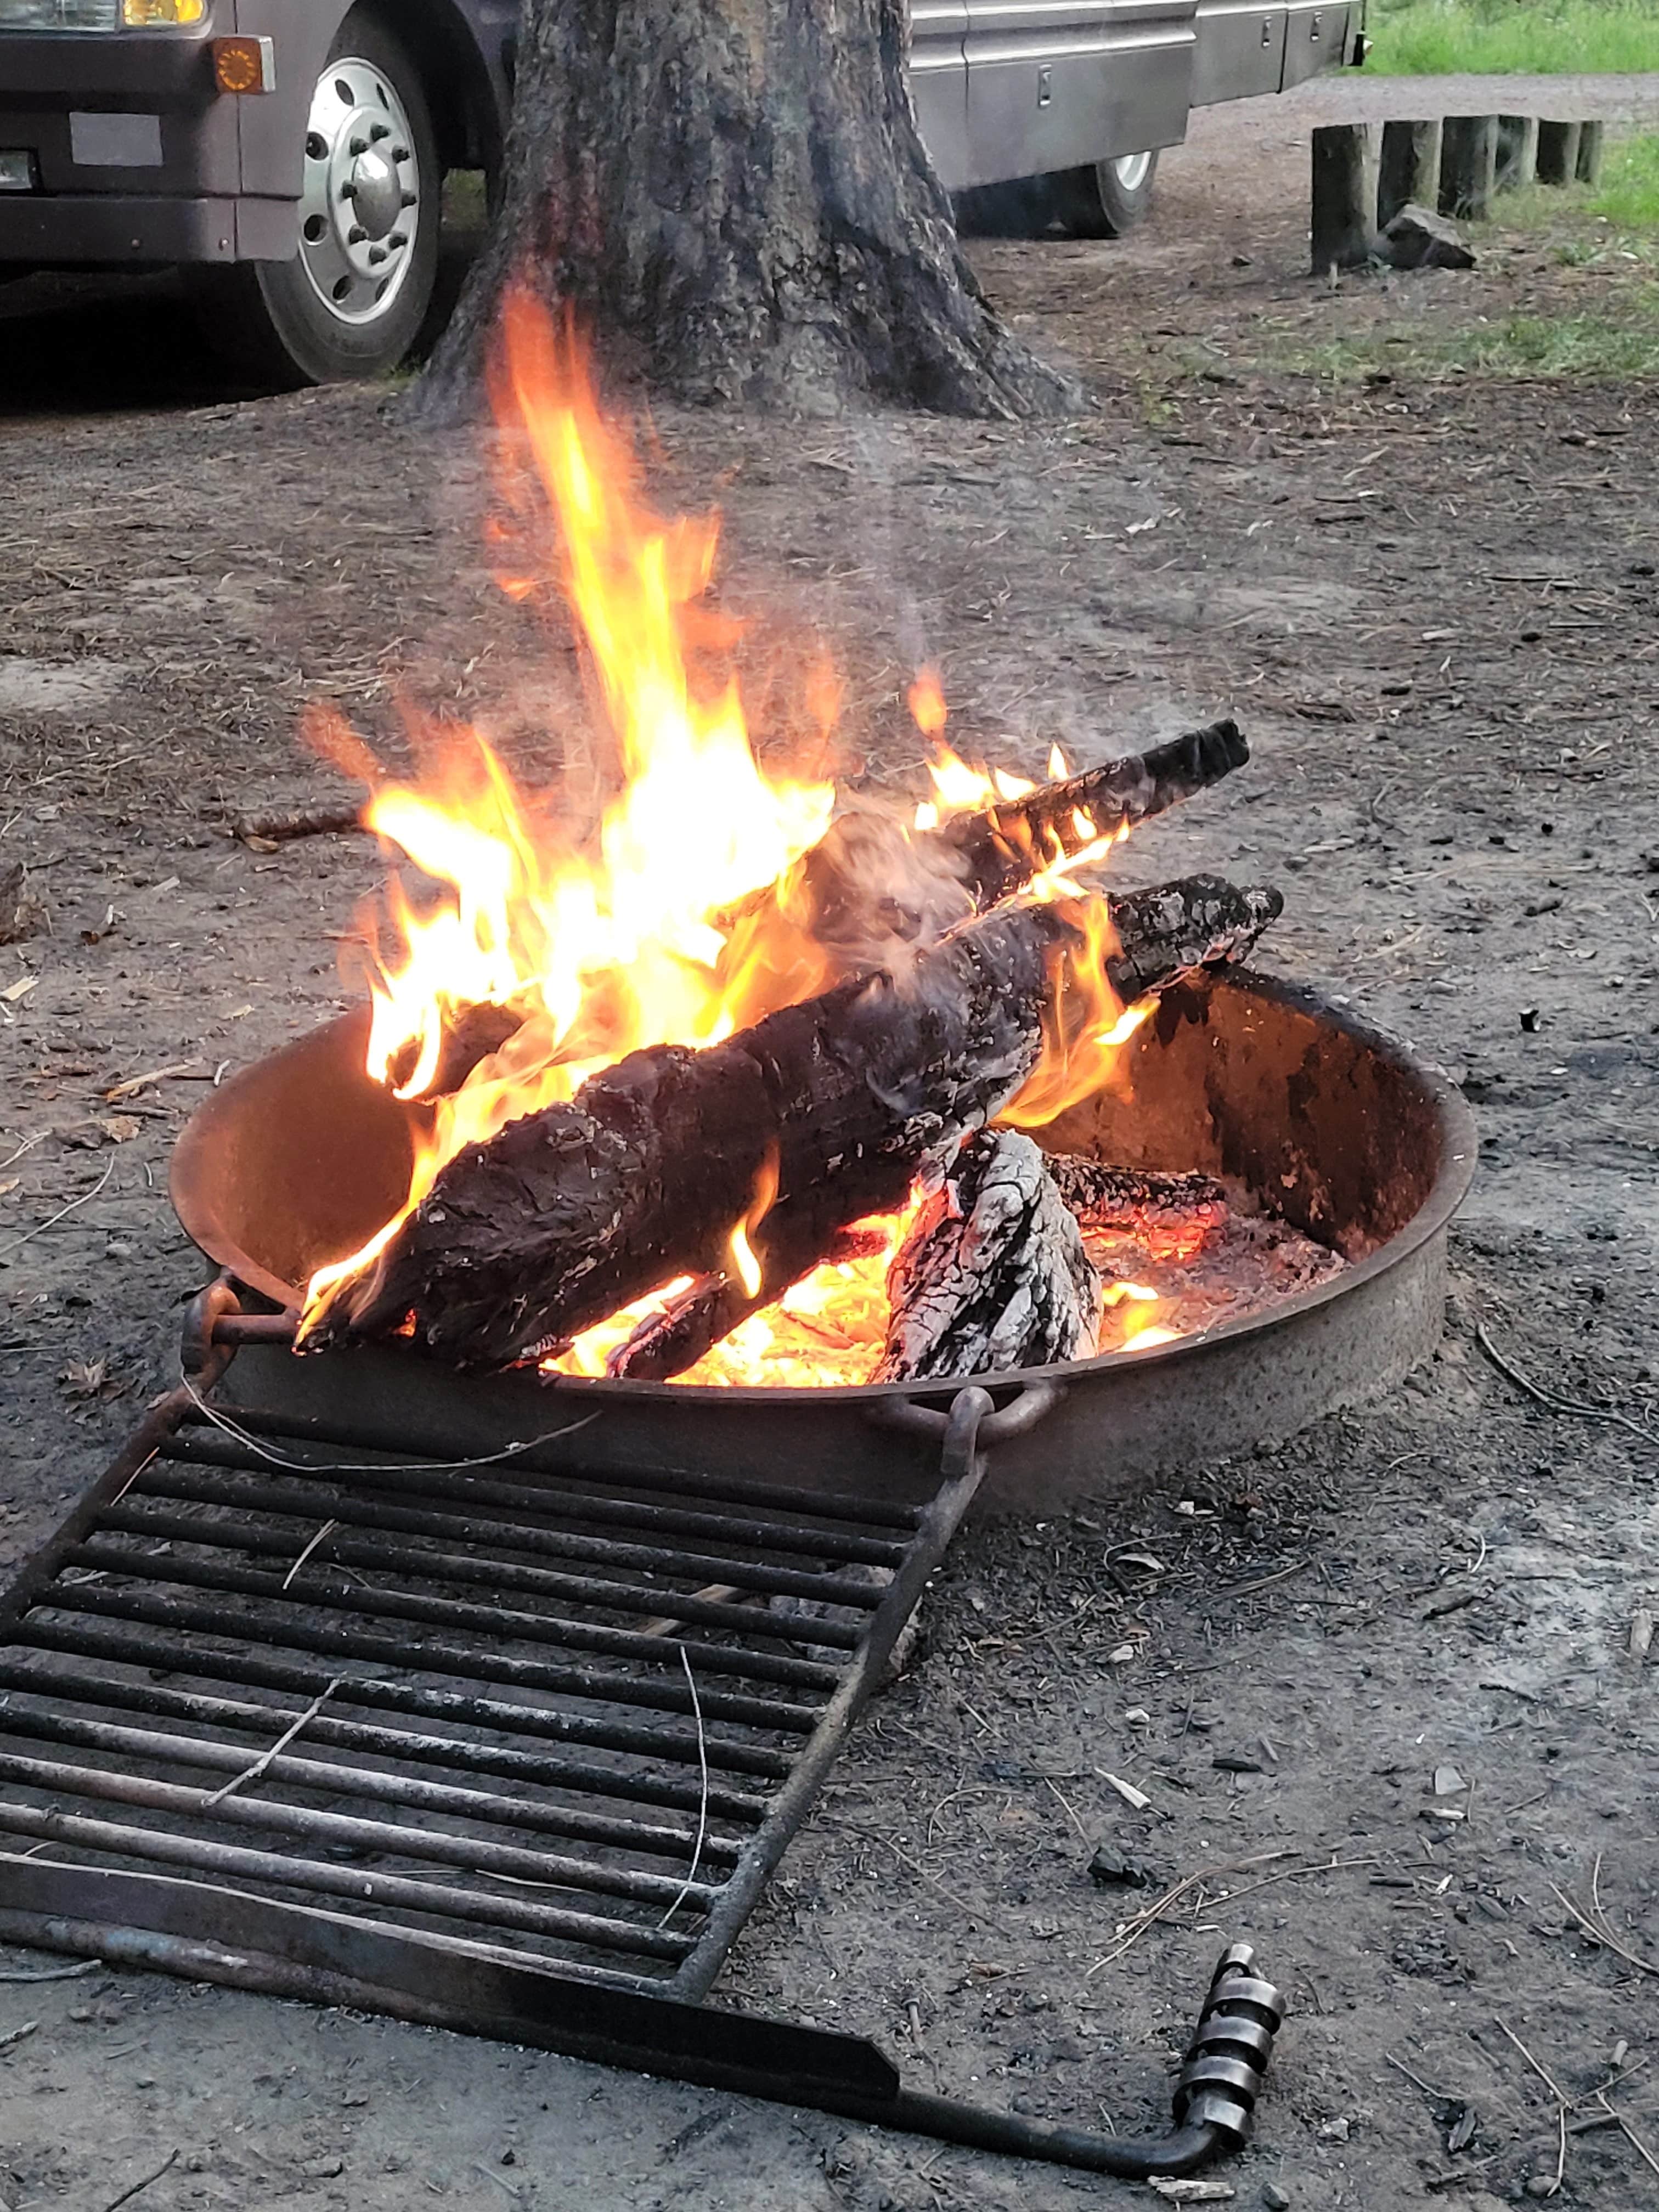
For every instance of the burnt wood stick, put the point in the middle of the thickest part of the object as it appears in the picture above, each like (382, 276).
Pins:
(1150, 925)
(971, 861)
(299, 822)
(569, 1213)
(992, 1274)
(1104, 1196)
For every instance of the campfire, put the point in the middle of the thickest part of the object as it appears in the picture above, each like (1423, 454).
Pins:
(733, 1076)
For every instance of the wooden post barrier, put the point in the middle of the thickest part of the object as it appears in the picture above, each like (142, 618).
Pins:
(1468, 165)
(1344, 195)
(1517, 151)
(1557, 152)
(1409, 169)
(1588, 167)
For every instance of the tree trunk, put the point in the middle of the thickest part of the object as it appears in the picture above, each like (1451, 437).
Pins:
(993, 1275)
(734, 195)
(1160, 940)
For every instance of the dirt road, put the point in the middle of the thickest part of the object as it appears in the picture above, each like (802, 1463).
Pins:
(1432, 602)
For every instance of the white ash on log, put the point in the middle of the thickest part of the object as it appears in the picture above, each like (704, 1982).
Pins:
(993, 1275)
(1160, 941)
(1103, 1196)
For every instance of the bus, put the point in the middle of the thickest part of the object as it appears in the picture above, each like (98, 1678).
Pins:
(294, 151)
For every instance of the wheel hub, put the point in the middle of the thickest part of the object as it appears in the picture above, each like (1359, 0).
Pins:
(360, 204)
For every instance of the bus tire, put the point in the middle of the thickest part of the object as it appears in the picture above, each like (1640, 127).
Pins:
(352, 300)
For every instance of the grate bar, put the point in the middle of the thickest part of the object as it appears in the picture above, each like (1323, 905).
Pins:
(461, 1466)
(671, 1746)
(325, 1779)
(340, 1830)
(136, 1519)
(365, 1886)
(509, 1502)
(497, 1623)
(397, 1697)
(648, 1839)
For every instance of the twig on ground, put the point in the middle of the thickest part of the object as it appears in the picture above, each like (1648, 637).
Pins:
(1134, 1929)
(298, 822)
(127, 2195)
(51, 1221)
(1629, 2133)
(1537, 2066)
(17, 2034)
(266, 1757)
(152, 1076)
(1596, 1922)
(702, 1802)
(1065, 1808)
(1554, 1400)
(954, 1897)
(92, 1965)
(1447, 2096)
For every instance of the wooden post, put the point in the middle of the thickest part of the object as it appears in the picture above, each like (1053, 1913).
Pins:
(1517, 151)
(1468, 165)
(1409, 169)
(1344, 195)
(1557, 152)
(1588, 167)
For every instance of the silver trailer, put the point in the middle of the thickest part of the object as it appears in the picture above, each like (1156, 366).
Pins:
(297, 148)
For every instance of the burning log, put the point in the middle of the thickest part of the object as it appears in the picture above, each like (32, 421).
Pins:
(1153, 926)
(868, 878)
(993, 1274)
(569, 1213)
(1106, 1197)
(659, 1163)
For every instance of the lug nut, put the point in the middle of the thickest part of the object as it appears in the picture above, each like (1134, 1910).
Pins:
(349, 190)
(376, 255)
(400, 153)
(356, 234)
(397, 239)
(408, 200)
(379, 130)
(358, 146)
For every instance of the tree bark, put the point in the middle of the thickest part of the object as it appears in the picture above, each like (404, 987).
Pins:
(1159, 941)
(993, 1275)
(734, 195)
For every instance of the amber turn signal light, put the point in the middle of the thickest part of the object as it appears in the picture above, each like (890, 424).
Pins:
(244, 66)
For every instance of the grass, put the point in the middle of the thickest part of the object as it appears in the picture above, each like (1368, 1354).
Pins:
(1507, 38)
(1628, 194)
(1588, 346)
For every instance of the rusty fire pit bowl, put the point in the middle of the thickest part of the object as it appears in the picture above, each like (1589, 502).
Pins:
(1335, 1126)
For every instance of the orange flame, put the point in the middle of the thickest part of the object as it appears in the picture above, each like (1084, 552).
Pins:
(643, 923)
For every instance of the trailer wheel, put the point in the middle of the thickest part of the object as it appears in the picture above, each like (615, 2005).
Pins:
(351, 301)
(1101, 199)
(1115, 195)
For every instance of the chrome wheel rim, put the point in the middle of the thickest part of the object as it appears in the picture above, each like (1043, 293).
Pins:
(359, 202)
(1131, 170)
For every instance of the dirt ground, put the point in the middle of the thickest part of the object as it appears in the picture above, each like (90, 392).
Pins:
(1432, 603)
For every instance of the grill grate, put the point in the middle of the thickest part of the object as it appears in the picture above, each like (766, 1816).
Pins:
(547, 1711)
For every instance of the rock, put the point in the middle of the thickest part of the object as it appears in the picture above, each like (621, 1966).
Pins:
(1418, 237)
(1275, 2198)
(1113, 1870)
(1538, 2184)
(1333, 2132)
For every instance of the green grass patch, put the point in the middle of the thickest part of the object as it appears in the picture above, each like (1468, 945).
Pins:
(1507, 38)
(1589, 346)
(1628, 194)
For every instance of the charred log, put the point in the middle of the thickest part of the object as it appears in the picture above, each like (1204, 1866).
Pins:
(1003, 846)
(569, 1213)
(993, 1275)
(472, 1036)
(666, 1343)
(1106, 1197)
(871, 888)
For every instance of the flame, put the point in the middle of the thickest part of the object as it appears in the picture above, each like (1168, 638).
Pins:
(599, 950)
(585, 924)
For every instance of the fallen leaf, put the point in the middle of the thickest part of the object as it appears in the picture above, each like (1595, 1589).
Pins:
(10, 1184)
(85, 1378)
(19, 989)
(120, 1129)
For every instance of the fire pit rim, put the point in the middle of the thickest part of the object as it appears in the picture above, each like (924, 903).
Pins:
(1454, 1125)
